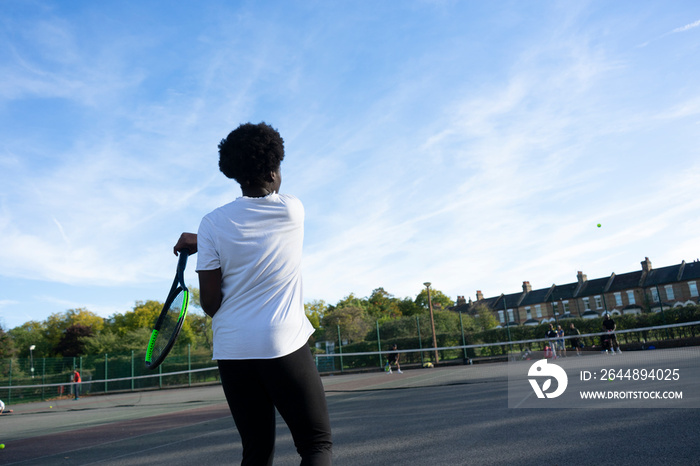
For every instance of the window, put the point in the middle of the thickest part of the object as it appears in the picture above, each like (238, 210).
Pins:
(618, 299)
(510, 316)
(598, 302)
(654, 295)
(693, 286)
(538, 310)
(565, 306)
(586, 304)
(669, 292)
(501, 316)
(528, 314)
(555, 308)
(630, 297)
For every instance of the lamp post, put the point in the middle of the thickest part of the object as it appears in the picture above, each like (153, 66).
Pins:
(432, 320)
(31, 359)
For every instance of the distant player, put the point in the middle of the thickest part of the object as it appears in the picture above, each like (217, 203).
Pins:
(76, 382)
(394, 359)
(610, 326)
(552, 337)
(561, 344)
(575, 342)
(2, 408)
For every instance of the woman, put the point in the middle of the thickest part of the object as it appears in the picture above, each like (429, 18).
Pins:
(249, 266)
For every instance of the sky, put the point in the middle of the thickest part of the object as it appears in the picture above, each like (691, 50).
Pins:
(474, 145)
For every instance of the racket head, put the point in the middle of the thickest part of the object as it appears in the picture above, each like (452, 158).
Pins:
(171, 317)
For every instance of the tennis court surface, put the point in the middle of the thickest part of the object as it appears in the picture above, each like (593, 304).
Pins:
(454, 415)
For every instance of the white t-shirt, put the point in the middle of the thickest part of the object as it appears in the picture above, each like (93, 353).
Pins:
(257, 243)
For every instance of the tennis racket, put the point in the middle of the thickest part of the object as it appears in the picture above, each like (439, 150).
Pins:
(171, 318)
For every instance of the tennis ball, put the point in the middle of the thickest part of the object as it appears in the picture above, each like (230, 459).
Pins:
(599, 225)
(2, 445)
(50, 407)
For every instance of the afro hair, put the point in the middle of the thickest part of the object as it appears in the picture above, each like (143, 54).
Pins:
(250, 153)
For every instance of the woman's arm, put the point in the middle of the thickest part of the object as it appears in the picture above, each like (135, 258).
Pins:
(210, 290)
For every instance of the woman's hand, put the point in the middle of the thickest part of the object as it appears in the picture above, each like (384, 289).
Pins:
(187, 241)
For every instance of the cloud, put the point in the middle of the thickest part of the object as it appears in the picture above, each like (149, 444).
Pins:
(681, 29)
(687, 27)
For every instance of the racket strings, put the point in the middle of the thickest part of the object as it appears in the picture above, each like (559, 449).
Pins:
(169, 325)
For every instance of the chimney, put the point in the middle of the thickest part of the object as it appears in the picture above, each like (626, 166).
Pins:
(479, 295)
(527, 287)
(646, 265)
(461, 300)
(581, 277)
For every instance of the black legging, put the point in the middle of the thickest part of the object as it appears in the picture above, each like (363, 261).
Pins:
(254, 387)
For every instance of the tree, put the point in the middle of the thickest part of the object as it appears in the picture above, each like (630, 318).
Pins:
(403, 327)
(109, 342)
(484, 318)
(194, 298)
(28, 334)
(353, 323)
(200, 324)
(134, 324)
(143, 315)
(409, 308)
(382, 306)
(72, 343)
(6, 347)
(315, 310)
(57, 323)
(440, 300)
(350, 301)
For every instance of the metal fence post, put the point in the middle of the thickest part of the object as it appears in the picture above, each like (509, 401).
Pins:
(340, 349)
(420, 344)
(43, 377)
(9, 390)
(464, 342)
(379, 346)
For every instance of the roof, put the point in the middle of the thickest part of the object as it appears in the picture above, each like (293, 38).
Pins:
(536, 297)
(511, 300)
(663, 275)
(564, 292)
(593, 287)
(682, 272)
(691, 271)
(626, 281)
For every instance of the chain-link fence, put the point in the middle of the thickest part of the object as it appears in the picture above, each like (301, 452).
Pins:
(25, 380)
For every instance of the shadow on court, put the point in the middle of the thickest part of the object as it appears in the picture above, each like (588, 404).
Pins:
(443, 416)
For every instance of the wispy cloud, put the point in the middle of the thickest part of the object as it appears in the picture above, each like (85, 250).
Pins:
(686, 27)
(681, 29)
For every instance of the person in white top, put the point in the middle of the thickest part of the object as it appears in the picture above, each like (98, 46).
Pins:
(249, 267)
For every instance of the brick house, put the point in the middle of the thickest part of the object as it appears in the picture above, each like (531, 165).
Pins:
(627, 293)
